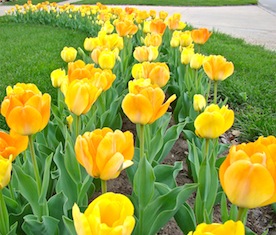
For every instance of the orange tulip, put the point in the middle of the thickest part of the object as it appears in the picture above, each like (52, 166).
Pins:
(229, 227)
(80, 70)
(214, 121)
(157, 72)
(12, 144)
(217, 68)
(110, 213)
(104, 153)
(174, 22)
(126, 27)
(81, 95)
(201, 35)
(248, 174)
(26, 110)
(144, 105)
(158, 26)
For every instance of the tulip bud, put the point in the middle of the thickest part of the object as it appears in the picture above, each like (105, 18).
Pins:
(68, 54)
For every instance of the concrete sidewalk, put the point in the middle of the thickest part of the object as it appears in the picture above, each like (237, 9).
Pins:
(254, 24)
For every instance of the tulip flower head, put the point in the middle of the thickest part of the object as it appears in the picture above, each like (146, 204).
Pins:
(217, 68)
(5, 171)
(229, 227)
(107, 59)
(157, 72)
(109, 213)
(197, 61)
(81, 95)
(144, 53)
(26, 110)
(248, 174)
(214, 121)
(144, 104)
(199, 102)
(158, 26)
(12, 144)
(104, 153)
(201, 35)
(58, 76)
(68, 54)
(153, 39)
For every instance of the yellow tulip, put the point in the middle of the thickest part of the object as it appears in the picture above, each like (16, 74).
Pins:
(185, 39)
(146, 105)
(201, 35)
(217, 68)
(163, 15)
(103, 79)
(248, 174)
(196, 61)
(175, 42)
(104, 153)
(108, 27)
(110, 213)
(229, 227)
(58, 76)
(214, 121)
(12, 144)
(144, 53)
(153, 39)
(199, 102)
(5, 171)
(68, 54)
(186, 55)
(26, 110)
(91, 43)
(107, 59)
(81, 95)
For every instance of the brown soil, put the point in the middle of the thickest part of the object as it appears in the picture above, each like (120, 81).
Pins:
(259, 220)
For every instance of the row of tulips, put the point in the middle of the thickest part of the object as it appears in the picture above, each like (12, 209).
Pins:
(131, 62)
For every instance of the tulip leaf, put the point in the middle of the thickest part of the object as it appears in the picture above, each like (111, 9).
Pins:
(185, 218)
(57, 209)
(69, 224)
(171, 135)
(33, 226)
(84, 188)
(13, 229)
(166, 174)
(65, 183)
(28, 188)
(223, 208)
(160, 210)
(46, 178)
(143, 185)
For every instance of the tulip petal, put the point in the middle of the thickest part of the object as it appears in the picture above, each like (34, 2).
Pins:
(112, 168)
(138, 108)
(248, 185)
(80, 221)
(24, 120)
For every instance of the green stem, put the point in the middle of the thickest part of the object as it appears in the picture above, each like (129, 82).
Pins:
(77, 125)
(142, 155)
(103, 186)
(208, 90)
(196, 81)
(4, 216)
(142, 140)
(36, 170)
(215, 91)
(242, 215)
(206, 155)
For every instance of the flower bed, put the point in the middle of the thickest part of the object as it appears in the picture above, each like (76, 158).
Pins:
(142, 66)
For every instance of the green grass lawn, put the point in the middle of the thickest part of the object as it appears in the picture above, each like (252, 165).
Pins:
(22, 2)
